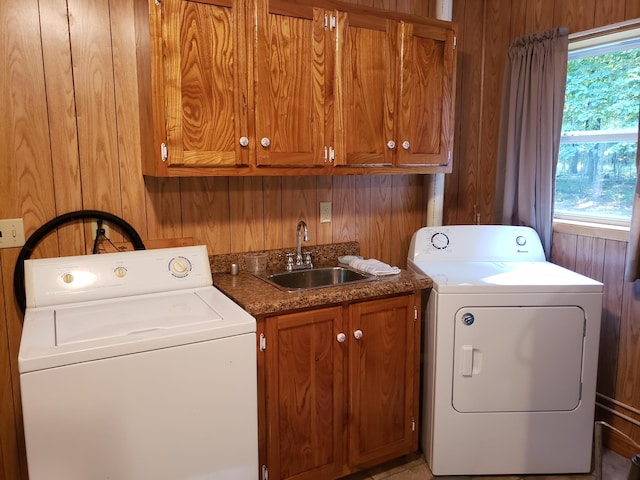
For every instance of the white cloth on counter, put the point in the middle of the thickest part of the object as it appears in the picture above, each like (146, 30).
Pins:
(373, 266)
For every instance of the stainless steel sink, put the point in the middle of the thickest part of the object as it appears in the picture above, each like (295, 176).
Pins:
(316, 278)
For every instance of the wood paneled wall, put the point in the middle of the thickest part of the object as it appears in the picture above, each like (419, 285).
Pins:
(486, 30)
(70, 137)
(70, 141)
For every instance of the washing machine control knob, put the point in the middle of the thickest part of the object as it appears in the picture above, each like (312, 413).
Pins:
(521, 240)
(440, 240)
(180, 267)
(468, 318)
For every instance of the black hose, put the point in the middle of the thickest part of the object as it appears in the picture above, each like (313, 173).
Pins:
(40, 233)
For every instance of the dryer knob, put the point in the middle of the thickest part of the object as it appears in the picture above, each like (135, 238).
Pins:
(468, 319)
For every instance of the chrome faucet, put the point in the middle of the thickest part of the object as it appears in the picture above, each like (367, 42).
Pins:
(301, 226)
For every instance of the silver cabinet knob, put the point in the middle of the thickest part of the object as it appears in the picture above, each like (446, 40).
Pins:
(391, 144)
(357, 334)
(244, 141)
(341, 337)
(406, 144)
(265, 142)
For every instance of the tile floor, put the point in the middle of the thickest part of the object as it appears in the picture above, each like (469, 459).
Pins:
(413, 467)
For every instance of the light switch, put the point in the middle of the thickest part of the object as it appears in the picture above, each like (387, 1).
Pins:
(11, 233)
(325, 212)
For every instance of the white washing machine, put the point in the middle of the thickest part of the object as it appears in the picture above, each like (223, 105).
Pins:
(134, 367)
(510, 354)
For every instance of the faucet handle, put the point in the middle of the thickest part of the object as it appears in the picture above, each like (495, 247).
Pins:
(289, 256)
(307, 259)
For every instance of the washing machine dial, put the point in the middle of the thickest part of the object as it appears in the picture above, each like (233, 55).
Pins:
(440, 240)
(180, 267)
(521, 240)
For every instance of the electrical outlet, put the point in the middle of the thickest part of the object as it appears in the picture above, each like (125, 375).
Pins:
(94, 228)
(11, 233)
(325, 212)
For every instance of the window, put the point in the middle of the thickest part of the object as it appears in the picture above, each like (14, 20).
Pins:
(596, 171)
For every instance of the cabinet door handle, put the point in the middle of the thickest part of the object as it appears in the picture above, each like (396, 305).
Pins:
(265, 142)
(357, 334)
(244, 141)
(406, 145)
(391, 144)
(341, 337)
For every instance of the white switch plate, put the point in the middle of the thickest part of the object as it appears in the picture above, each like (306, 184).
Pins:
(11, 233)
(325, 212)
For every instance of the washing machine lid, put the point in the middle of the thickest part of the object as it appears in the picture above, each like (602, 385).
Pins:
(504, 277)
(62, 335)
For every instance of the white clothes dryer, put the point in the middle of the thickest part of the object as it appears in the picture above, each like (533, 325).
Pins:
(511, 352)
(133, 366)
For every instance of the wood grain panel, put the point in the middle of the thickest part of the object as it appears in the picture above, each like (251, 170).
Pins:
(497, 42)
(632, 9)
(123, 41)
(381, 238)
(272, 192)
(627, 386)
(537, 18)
(607, 12)
(590, 255)
(363, 218)
(563, 250)
(61, 109)
(461, 189)
(164, 217)
(344, 209)
(96, 108)
(205, 212)
(407, 201)
(575, 14)
(323, 231)
(246, 214)
(614, 259)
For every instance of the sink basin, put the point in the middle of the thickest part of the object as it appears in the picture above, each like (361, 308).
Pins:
(316, 278)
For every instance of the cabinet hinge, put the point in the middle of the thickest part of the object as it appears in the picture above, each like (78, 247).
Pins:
(413, 424)
(415, 313)
(329, 154)
(164, 153)
(329, 22)
(265, 472)
(455, 42)
(449, 156)
(263, 342)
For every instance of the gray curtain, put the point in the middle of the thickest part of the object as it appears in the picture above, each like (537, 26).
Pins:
(530, 124)
(632, 270)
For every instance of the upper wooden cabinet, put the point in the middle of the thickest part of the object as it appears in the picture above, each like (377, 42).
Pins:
(274, 87)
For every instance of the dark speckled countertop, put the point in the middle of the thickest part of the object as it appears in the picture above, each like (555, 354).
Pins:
(261, 298)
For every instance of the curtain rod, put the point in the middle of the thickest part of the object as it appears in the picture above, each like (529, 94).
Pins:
(627, 25)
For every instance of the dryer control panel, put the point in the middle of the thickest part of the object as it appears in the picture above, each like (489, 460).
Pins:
(481, 243)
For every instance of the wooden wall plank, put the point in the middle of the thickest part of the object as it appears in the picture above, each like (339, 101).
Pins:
(575, 14)
(298, 203)
(129, 151)
(95, 102)
(63, 134)
(614, 259)
(632, 9)
(537, 18)
(563, 250)
(407, 199)
(344, 209)
(363, 219)
(380, 228)
(272, 192)
(607, 12)
(246, 213)
(205, 212)
(164, 215)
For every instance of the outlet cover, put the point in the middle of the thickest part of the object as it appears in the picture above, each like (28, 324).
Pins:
(325, 212)
(11, 233)
(94, 228)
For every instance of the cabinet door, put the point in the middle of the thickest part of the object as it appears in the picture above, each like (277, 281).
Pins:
(366, 69)
(304, 384)
(426, 106)
(205, 82)
(291, 75)
(383, 379)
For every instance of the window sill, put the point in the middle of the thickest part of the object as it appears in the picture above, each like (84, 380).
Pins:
(586, 229)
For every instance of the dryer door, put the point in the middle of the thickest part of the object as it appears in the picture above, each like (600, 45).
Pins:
(518, 359)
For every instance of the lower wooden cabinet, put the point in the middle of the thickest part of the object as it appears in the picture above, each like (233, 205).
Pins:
(339, 387)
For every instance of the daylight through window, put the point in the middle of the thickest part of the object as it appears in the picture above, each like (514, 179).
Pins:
(596, 171)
